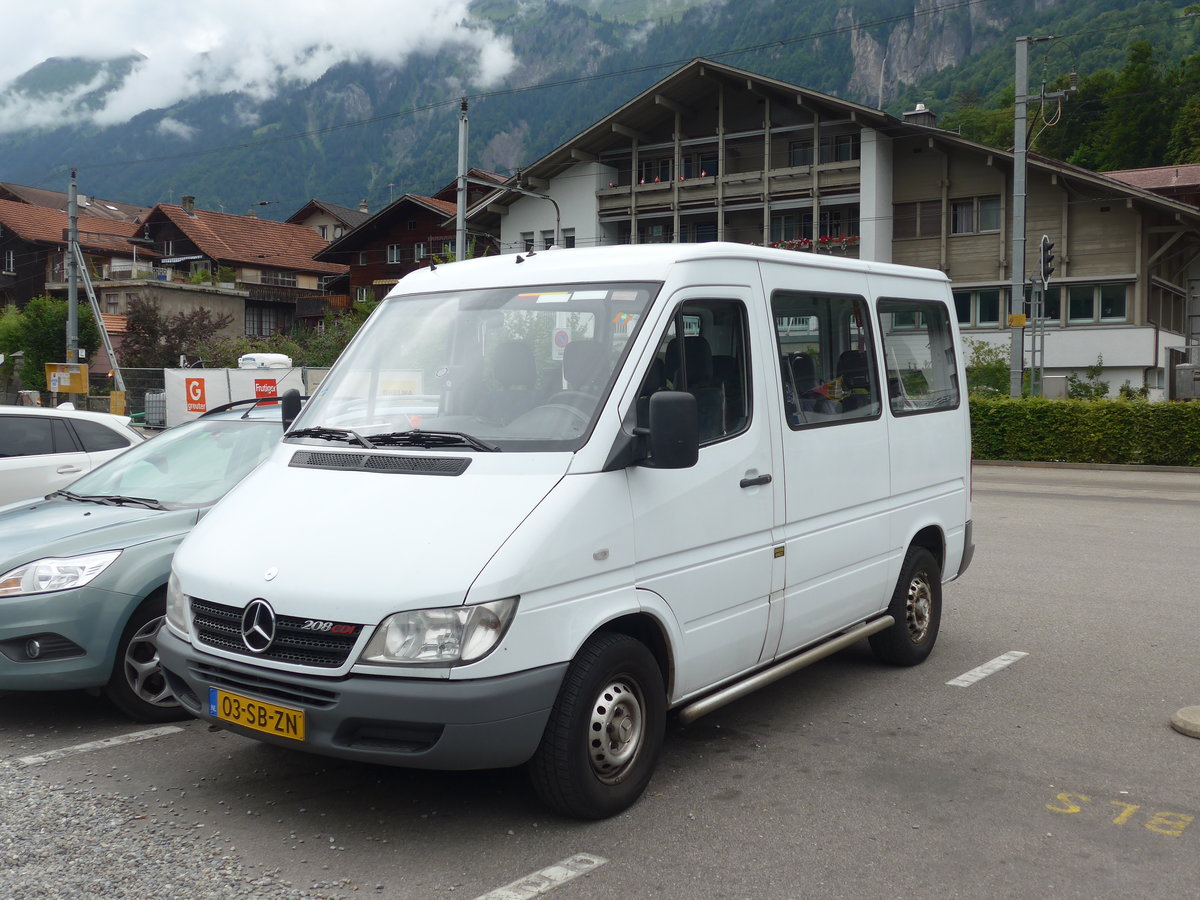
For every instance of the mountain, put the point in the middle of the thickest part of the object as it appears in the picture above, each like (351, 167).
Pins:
(368, 130)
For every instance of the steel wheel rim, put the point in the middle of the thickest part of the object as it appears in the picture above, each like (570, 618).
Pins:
(143, 671)
(616, 729)
(918, 607)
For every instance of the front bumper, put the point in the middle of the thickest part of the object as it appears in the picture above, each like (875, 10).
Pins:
(77, 632)
(411, 722)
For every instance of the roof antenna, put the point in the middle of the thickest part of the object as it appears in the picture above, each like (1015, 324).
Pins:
(520, 258)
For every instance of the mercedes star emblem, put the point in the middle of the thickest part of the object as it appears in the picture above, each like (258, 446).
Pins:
(258, 626)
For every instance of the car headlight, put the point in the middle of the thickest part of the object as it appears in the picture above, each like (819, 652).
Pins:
(53, 574)
(455, 634)
(177, 605)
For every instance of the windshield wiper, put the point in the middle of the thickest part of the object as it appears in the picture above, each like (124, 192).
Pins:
(348, 435)
(431, 439)
(111, 499)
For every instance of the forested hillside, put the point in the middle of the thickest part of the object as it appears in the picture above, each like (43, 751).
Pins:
(372, 131)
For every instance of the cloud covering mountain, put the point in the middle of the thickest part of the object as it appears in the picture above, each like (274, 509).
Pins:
(176, 52)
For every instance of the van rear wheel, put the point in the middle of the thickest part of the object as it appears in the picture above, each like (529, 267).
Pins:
(917, 608)
(605, 731)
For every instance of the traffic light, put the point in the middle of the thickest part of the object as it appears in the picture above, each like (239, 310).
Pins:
(1047, 258)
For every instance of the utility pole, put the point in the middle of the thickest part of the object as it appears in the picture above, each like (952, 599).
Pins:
(1016, 300)
(460, 237)
(72, 273)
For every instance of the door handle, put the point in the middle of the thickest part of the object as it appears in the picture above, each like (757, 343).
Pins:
(755, 482)
(68, 470)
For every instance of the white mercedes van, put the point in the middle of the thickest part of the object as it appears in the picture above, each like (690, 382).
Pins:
(543, 499)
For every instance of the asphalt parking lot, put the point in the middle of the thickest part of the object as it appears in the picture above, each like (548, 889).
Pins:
(1030, 756)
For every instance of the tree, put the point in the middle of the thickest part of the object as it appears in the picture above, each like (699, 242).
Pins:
(987, 368)
(43, 337)
(154, 341)
(10, 343)
(1090, 387)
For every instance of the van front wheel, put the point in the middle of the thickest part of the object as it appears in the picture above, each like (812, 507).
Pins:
(605, 731)
(917, 608)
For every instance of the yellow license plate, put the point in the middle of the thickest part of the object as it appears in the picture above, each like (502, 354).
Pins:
(256, 714)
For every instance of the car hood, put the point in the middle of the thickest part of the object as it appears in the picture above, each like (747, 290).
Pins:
(357, 546)
(60, 527)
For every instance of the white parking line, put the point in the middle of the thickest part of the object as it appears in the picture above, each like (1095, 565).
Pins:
(547, 879)
(94, 745)
(988, 668)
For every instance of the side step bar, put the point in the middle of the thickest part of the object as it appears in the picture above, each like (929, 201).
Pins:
(705, 705)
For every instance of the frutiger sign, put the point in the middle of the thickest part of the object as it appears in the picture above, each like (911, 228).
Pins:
(265, 387)
(193, 390)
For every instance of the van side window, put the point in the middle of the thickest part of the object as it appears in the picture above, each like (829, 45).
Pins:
(918, 352)
(826, 363)
(711, 361)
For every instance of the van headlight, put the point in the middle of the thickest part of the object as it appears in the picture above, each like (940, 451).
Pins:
(177, 606)
(55, 574)
(439, 637)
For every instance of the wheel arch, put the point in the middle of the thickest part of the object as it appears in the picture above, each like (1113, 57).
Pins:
(649, 631)
(933, 539)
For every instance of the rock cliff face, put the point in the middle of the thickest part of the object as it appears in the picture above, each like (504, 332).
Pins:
(887, 58)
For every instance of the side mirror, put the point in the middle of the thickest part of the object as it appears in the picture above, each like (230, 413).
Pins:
(674, 432)
(291, 408)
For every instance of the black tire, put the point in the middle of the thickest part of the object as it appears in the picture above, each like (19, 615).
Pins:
(605, 731)
(137, 686)
(917, 608)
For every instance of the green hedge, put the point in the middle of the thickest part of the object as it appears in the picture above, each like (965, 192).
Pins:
(1086, 431)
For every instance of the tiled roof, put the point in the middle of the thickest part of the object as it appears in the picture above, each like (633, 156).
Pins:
(1159, 177)
(93, 207)
(252, 242)
(45, 226)
(115, 324)
(351, 218)
(442, 206)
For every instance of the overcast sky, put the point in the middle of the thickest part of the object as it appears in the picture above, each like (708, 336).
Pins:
(215, 46)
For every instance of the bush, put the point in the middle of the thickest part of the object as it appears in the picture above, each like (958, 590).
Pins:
(1134, 432)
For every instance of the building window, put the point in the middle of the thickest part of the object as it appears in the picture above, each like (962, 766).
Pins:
(338, 231)
(362, 257)
(112, 304)
(974, 215)
(527, 240)
(547, 240)
(979, 309)
(168, 248)
(839, 221)
(412, 225)
(280, 279)
(1096, 303)
(846, 147)
(800, 153)
(920, 219)
(323, 231)
(420, 250)
(364, 293)
(568, 237)
(654, 170)
(10, 262)
(260, 321)
(783, 227)
(393, 253)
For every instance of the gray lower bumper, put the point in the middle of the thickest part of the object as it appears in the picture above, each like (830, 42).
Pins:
(412, 722)
(968, 549)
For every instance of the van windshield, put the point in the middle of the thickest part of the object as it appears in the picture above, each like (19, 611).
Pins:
(512, 369)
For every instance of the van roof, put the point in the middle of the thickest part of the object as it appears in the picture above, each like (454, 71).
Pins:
(626, 262)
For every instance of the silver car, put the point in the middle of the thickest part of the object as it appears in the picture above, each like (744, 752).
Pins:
(83, 572)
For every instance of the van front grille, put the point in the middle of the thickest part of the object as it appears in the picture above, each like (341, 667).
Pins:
(381, 463)
(220, 626)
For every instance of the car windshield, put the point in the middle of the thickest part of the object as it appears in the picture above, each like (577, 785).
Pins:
(501, 369)
(190, 465)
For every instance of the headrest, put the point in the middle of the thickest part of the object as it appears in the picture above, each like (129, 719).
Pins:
(581, 362)
(699, 359)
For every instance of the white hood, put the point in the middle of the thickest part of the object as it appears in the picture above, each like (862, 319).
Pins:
(355, 546)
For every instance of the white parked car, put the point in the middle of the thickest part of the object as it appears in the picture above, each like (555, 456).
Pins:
(42, 450)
